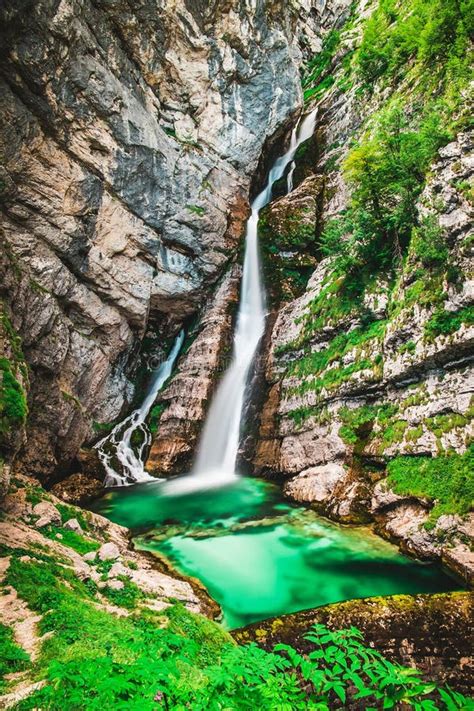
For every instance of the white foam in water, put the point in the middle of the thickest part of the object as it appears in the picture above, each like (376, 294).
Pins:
(217, 454)
(117, 444)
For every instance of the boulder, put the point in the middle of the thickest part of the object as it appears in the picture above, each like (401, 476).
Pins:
(73, 525)
(48, 514)
(108, 551)
(315, 484)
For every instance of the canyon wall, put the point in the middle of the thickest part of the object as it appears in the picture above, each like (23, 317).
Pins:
(129, 136)
(356, 381)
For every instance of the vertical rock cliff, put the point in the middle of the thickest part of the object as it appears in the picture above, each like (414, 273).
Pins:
(129, 136)
(368, 414)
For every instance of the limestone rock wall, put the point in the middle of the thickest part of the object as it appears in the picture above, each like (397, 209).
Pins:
(410, 379)
(129, 135)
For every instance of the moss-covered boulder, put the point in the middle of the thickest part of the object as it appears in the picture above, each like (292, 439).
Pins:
(433, 632)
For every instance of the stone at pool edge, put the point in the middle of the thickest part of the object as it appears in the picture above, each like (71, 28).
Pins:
(433, 632)
(78, 489)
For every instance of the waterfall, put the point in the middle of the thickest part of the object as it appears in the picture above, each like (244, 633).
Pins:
(118, 443)
(217, 454)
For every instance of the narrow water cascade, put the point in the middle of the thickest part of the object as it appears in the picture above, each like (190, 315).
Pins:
(217, 454)
(117, 445)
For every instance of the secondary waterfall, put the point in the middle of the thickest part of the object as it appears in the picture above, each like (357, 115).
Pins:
(118, 443)
(217, 454)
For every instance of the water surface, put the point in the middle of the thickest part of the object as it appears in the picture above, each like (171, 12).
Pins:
(260, 556)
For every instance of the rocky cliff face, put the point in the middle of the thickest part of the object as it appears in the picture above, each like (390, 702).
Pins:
(129, 137)
(355, 386)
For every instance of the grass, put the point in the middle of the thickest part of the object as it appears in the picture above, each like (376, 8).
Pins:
(12, 657)
(71, 539)
(444, 323)
(446, 480)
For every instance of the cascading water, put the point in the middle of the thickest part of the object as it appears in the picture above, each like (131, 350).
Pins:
(118, 443)
(217, 454)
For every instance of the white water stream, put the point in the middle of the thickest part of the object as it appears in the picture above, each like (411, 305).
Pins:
(217, 454)
(117, 445)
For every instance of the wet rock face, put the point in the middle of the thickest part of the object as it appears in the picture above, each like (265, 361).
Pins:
(186, 399)
(128, 140)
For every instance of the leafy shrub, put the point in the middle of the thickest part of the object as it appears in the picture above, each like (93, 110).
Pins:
(428, 243)
(128, 597)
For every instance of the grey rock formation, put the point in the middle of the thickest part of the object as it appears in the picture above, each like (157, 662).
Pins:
(129, 137)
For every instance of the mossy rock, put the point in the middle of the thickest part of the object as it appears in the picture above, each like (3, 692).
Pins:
(432, 632)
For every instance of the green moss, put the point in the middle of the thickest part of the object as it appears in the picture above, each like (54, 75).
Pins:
(71, 539)
(103, 428)
(68, 512)
(331, 379)
(414, 434)
(155, 416)
(446, 480)
(196, 209)
(359, 423)
(13, 407)
(408, 347)
(394, 433)
(12, 657)
(443, 323)
(318, 361)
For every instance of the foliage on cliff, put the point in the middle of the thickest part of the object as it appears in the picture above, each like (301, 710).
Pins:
(13, 377)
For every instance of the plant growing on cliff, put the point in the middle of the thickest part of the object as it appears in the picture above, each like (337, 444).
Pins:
(13, 408)
(445, 480)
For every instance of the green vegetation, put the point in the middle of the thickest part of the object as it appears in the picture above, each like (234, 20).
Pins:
(174, 659)
(73, 540)
(288, 246)
(318, 361)
(68, 512)
(316, 79)
(446, 322)
(13, 407)
(447, 480)
(196, 209)
(358, 422)
(155, 416)
(386, 171)
(418, 54)
(129, 596)
(428, 243)
(103, 428)
(12, 657)
(429, 39)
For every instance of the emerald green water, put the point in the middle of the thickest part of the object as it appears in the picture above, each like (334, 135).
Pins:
(258, 555)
